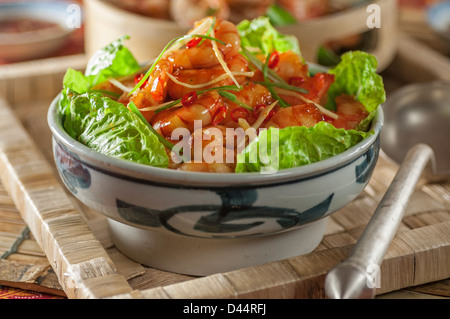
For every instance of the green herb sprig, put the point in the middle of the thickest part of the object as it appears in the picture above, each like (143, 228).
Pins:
(270, 88)
(283, 86)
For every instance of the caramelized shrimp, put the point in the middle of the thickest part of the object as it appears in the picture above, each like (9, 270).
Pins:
(205, 78)
(204, 108)
(316, 87)
(254, 95)
(289, 65)
(212, 150)
(201, 55)
(154, 91)
(298, 115)
(350, 111)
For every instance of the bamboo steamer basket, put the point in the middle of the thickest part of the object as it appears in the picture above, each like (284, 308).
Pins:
(106, 22)
(315, 32)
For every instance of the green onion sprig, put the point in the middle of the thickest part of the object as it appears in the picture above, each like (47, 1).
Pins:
(211, 27)
(283, 86)
(270, 88)
(233, 98)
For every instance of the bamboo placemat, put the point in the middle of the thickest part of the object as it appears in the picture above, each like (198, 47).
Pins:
(68, 250)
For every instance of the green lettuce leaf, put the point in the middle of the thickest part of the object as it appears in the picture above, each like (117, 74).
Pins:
(276, 149)
(110, 128)
(261, 35)
(112, 61)
(101, 123)
(356, 75)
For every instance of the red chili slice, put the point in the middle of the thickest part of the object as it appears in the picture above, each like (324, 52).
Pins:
(257, 110)
(239, 112)
(274, 58)
(189, 98)
(138, 78)
(220, 115)
(193, 42)
(271, 114)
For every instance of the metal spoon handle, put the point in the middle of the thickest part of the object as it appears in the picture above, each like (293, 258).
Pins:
(349, 279)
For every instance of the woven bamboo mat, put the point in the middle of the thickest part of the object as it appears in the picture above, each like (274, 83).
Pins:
(67, 250)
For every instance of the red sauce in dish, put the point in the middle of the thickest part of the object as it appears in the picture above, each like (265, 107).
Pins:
(14, 26)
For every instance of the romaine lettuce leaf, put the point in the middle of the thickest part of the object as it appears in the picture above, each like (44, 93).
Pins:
(112, 61)
(260, 34)
(276, 149)
(101, 123)
(356, 75)
(112, 129)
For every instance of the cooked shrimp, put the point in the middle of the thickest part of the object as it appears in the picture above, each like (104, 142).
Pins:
(196, 79)
(211, 150)
(204, 108)
(154, 91)
(350, 111)
(317, 87)
(190, 57)
(254, 95)
(200, 55)
(187, 12)
(217, 144)
(298, 115)
(288, 65)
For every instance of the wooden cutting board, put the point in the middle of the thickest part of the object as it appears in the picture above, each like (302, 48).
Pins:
(68, 250)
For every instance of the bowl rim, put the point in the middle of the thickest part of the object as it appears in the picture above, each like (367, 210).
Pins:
(30, 7)
(164, 176)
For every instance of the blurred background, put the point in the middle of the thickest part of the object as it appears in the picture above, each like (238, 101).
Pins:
(32, 30)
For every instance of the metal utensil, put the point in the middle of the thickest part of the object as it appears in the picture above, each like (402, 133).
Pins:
(417, 123)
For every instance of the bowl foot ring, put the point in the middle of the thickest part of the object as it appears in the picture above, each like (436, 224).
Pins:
(207, 256)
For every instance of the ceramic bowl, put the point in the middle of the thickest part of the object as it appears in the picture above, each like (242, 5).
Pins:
(377, 20)
(35, 43)
(202, 223)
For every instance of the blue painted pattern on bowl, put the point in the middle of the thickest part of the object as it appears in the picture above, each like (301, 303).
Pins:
(212, 205)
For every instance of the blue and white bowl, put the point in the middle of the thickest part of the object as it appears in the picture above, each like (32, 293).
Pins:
(203, 223)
